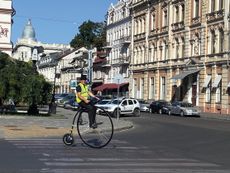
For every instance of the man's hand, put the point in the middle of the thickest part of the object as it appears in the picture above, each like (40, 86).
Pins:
(86, 101)
(97, 98)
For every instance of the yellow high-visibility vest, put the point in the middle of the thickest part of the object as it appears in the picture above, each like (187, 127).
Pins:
(84, 92)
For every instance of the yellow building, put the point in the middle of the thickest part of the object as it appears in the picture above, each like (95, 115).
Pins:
(180, 51)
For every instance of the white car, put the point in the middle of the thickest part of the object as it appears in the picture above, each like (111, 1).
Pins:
(103, 102)
(122, 107)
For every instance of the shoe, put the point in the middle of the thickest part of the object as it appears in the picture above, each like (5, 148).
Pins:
(94, 126)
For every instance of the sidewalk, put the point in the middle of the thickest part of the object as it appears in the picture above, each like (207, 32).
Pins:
(215, 116)
(25, 126)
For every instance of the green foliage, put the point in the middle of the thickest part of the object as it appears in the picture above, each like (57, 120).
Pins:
(19, 81)
(90, 34)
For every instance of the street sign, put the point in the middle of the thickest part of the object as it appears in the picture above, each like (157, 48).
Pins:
(118, 79)
(73, 84)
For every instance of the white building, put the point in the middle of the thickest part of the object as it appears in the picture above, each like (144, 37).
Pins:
(6, 13)
(24, 48)
(118, 38)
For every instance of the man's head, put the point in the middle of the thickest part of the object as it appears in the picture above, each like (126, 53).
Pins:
(83, 79)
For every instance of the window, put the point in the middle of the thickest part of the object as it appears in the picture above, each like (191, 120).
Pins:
(165, 18)
(130, 102)
(213, 5)
(177, 50)
(152, 88)
(124, 103)
(142, 88)
(221, 4)
(153, 21)
(163, 88)
(221, 41)
(183, 48)
(218, 95)
(177, 14)
(135, 88)
(183, 13)
(208, 93)
(196, 8)
(213, 42)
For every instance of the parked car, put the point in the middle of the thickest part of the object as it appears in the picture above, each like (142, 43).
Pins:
(103, 102)
(144, 106)
(71, 104)
(160, 107)
(59, 97)
(183, 109)
(66, 99)
(123, 107)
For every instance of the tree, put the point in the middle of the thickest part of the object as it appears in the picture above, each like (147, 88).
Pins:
(90, 34)
(18, 81)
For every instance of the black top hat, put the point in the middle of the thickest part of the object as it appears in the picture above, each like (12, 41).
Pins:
(83, 77)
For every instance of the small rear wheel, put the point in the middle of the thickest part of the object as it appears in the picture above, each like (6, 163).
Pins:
(68, 139)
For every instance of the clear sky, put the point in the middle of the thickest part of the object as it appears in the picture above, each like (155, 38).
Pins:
(57, 21)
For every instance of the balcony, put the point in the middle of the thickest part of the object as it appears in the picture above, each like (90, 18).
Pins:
(196, 21)
(139, 36)
(122, 60)
(98, 80)
(102, 54)
(178, 26)
(215, 16)
(164, 29)
(153, 32)
(108, 45)
(124, 40)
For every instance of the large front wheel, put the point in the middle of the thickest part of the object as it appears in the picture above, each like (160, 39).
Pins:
(95, 137)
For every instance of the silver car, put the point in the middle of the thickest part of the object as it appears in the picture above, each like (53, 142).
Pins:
(183, 109)
(144, 106)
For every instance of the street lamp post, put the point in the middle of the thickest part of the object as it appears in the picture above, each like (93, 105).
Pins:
(52, 105)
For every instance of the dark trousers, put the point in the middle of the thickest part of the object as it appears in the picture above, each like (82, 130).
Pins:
(91, 111)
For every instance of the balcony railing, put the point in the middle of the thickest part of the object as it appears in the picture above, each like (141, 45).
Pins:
(139, 36)
(196, 21)
(215, 15)
(164, 29)
(178, 26)
(153, 31)
(123, 40)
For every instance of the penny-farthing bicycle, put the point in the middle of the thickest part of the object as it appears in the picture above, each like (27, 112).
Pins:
(96, 138)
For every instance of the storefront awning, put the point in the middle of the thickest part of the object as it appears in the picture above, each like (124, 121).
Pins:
(109, 86)
(216, 81)
(183, 74)
(207, 81)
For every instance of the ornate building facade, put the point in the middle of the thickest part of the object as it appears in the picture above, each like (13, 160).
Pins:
(118, 37)
(6, 13)
(180, 51)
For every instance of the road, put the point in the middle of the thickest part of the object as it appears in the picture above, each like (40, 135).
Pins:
(156, 144)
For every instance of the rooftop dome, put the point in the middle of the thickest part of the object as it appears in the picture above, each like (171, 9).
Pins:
(29, 32)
